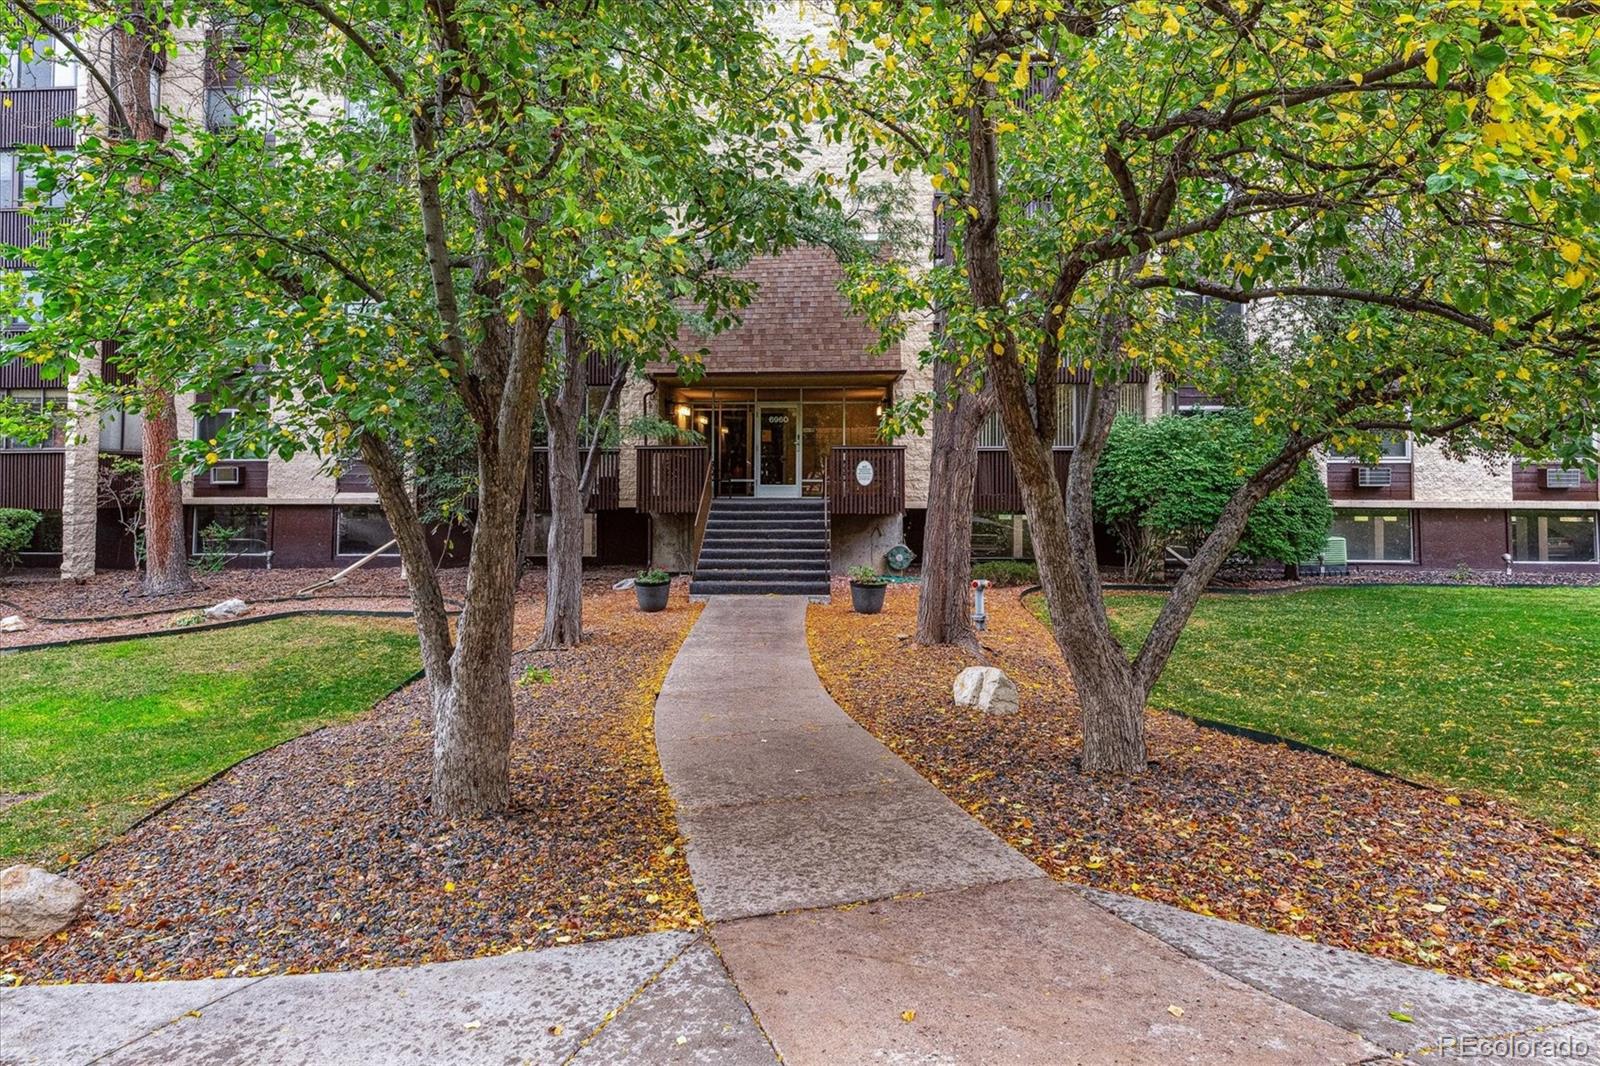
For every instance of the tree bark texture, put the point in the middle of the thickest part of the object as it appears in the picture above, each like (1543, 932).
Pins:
(943, 615)
(166, 555)
(563, 411)
(166, 549)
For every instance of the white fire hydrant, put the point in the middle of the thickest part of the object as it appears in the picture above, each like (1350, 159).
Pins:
(979, 618)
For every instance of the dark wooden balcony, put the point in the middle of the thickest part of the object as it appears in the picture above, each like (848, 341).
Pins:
(16, 229)
(21, 374)
(671, 478)
(881, 466)
(605, 488)
(31, 116)
(996, 490)
(32, 478)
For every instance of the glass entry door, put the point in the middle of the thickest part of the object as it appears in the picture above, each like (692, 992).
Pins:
(778, 450)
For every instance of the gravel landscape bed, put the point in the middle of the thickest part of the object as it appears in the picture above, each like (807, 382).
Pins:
(1282, 839)
(320, 853)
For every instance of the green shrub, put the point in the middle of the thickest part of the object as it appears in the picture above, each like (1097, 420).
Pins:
(652, 577)
(1166, 482)
(16, 533)
(1006, 573)
(866, 575)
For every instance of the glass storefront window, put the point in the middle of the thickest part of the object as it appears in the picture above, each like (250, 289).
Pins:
(1374, 536)
(1553, 536)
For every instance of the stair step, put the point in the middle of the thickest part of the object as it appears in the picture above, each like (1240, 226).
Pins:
(735, 572)
(764, 549)
(777, 538)
(759, 588)
(765, 521)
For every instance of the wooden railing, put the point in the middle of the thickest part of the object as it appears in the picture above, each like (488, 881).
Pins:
(885, 490)
(997, 490)
(702, 515)
(671, 478)
(32, 479)
(605, 487)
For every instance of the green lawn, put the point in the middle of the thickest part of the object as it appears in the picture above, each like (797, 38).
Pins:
(1496, 690)
(102, 733)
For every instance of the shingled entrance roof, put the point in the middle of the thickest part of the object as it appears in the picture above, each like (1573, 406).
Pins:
(796, 323)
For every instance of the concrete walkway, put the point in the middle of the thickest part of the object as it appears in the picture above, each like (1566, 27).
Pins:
(661, 997)
(857, 915)
(867, 918)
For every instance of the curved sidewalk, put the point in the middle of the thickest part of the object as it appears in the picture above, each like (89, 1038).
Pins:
(867, 918)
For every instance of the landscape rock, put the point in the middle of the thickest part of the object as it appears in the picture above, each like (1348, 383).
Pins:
(228, 609)
(12, 623)
(35, 902)
(988, 689)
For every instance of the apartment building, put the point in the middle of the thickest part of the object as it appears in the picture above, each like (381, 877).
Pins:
(301, 512)
(777, 475)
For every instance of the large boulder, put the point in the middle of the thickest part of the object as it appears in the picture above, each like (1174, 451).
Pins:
(228, 609)
(988, 689)
(35, 902)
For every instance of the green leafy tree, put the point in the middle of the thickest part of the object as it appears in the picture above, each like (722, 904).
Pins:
(342, 277)
(1426, 168)
(1166, 482)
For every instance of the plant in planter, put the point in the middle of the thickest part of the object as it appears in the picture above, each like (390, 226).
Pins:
(652, 587)
(867, 587)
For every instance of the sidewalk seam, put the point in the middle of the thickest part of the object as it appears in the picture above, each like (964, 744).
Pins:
(199, 1011)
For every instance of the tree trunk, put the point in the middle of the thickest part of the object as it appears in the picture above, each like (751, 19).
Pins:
(166, 551)
(166, 555)
(427, 600)
(472, 714)
(943, 616)
(1110, 693)
(563, 411)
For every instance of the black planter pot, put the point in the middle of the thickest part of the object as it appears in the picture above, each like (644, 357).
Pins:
(867, 599)
(652, 597)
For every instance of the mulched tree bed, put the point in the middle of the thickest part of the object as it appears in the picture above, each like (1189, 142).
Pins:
(320, 854)
(1282, 839)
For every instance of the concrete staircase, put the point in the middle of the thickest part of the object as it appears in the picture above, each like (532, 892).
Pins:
(754, 546)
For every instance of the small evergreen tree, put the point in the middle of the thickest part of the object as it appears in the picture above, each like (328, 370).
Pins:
(1167, 481)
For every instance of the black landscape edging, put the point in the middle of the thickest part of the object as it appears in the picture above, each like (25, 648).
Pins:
(112, 638)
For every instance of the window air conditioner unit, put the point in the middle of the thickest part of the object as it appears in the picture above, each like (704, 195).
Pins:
(1374, 477)
(1555, 478)
(227, 474)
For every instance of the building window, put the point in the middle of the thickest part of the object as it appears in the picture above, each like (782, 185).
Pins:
(1001, 536)
(1375, 536)
(1392, 448)
(363, 530)
(46, 535)
(38, 400)
(121, 431)
(37, 65)
(1553, 536)
(246, 528)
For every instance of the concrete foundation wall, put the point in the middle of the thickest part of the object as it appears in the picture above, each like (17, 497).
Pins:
(863, 540)
(672, 542)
